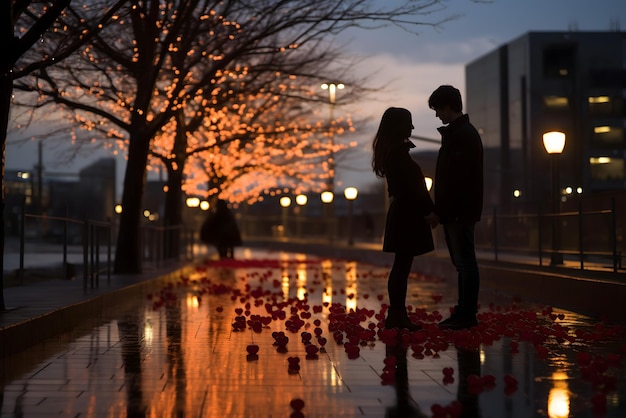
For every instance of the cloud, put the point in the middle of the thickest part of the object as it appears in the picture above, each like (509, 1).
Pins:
(407, 84)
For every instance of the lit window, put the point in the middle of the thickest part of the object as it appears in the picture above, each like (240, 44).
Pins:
(600, 160)
(556, 101)
(601, 129)
(601, 105)
(608, 136)
(607, 168)
(599, 99)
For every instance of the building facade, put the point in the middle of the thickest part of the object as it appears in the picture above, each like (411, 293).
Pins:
(573, 82)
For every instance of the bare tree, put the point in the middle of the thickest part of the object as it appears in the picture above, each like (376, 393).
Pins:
(258, 133)
(22, 24)
(158, 56)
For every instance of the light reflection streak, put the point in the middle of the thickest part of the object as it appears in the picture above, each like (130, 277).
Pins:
(351, 286)
(301, 281)
(558, 398)
(285, 283)
(327, 278)
(148, 331)
(330, 375)
(192, 301)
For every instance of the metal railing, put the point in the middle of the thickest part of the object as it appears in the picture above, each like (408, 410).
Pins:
(92, 235)
(91, 246)
(579, 237)
(585, 240)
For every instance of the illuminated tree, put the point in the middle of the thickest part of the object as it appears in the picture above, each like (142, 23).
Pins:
(158, 57)
(257, 133)
(22, 24)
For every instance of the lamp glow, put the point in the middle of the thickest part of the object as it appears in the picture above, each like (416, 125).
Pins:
(554, 142)
(327, 197)
(192, 202)
(429, 183)
(350, 193)
(285, 201)
(301, 199)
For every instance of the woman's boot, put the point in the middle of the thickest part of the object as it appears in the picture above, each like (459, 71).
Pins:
(398, 318)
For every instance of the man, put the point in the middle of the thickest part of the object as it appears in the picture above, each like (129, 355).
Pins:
(459, 198)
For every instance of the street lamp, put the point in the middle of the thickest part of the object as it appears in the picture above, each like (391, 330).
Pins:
(332, 95)
(301, 199)
(192, 202)
(554, 142)
(350, 193)
(330, 182)
(327, 197)
(285, 202)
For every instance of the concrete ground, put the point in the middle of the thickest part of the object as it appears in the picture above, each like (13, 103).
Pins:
(280, 333)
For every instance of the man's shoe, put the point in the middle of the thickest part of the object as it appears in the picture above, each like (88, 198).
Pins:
(447, 321)
(453, 316)
(458, 323)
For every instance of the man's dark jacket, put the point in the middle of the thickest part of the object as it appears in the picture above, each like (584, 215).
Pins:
(459, 175)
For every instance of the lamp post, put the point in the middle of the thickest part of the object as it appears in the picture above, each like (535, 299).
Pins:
(350, 193)
(327, 198)
(332, 100)
(301, 201)
(554, 142)
(285, 202)
(330, 183)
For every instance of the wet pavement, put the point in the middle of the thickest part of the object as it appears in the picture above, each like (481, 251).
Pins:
(275, 334)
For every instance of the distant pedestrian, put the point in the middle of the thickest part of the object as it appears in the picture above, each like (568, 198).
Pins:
(410, 215)
(458, 189)
(220, 229)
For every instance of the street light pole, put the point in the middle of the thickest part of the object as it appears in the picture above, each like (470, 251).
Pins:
(554, 142)
(350, 193)
(285, 202)
(301, 201)
(327, 199)
(330, 183)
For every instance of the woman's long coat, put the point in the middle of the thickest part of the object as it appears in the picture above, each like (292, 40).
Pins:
(406, 230)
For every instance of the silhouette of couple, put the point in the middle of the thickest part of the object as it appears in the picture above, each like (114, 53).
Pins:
(457, 206)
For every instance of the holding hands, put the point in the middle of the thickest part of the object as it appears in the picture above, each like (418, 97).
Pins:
(432, 219)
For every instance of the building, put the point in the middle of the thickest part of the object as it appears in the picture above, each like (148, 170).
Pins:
(48, 197)
(573, 82)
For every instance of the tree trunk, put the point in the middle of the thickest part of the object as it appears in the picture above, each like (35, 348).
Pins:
(173, 198)
(6, 88)
(173, 210)
(128, 252)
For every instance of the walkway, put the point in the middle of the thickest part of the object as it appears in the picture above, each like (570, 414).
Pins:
(276, 334)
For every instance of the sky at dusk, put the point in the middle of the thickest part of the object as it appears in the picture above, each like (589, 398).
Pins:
(412, 66)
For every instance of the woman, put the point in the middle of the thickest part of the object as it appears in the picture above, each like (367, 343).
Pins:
(411, 211)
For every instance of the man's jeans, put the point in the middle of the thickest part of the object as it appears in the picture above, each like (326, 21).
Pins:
(460, 241)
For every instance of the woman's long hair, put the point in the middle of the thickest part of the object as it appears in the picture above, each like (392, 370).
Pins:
(393, 129)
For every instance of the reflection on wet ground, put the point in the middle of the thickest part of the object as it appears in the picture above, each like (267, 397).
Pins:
(292, 335)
